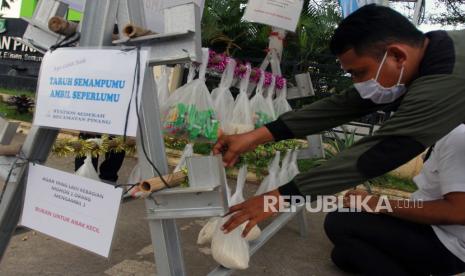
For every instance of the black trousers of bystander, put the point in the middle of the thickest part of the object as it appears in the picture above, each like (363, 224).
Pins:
(372, 244)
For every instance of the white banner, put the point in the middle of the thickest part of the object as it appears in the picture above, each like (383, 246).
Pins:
(89, 90)
(71, 208)
(282, 14)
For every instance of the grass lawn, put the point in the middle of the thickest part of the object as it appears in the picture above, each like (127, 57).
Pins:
(10, 113)
(390, 181)
(14, 92)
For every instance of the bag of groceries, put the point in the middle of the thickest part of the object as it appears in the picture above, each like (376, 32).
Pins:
(262, 112)
(280, 104)
(190, 113)
(223, 100)
(242, 119)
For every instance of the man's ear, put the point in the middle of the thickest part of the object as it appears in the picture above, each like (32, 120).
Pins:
(399, 53)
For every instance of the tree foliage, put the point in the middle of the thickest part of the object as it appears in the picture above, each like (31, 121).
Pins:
(306, 50)
(5, 4)
(453, 15)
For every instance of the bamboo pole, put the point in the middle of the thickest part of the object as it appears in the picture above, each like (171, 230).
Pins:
(132, 31)
(62, 26)
(155, 184)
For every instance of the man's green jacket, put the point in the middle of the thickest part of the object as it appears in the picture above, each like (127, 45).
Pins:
(432, 107)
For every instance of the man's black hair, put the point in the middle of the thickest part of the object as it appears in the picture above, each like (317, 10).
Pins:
(371, 28)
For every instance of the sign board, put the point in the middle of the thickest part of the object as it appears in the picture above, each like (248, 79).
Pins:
(89, 90)
(14, 54)
(71, 208)
(282, 14)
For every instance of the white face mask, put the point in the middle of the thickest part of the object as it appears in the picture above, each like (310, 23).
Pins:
(373, 90)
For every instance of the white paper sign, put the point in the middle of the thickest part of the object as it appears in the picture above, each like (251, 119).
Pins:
(71, 208)
(89, 90)
(283, 14)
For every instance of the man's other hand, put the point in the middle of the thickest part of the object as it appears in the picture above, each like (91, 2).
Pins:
(254, 211)
(232, 146)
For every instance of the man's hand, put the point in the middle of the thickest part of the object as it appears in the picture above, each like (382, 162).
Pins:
(252, 210)
(232, 146)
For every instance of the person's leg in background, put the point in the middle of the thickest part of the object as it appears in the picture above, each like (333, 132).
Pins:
(382, 245)
(109, 167)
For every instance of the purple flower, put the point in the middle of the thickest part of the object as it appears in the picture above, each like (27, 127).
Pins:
(280, 82)
(217, 62)
(268, 79)
(240, 71)
(255, 75)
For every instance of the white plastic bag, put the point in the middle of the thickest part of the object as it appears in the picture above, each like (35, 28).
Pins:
(242, 120)
(207, 231)
(270, 182)
(190, 112)
(293, 166)
(87, 169)
(270, 94)
(284, 172)
(163, 87)
(232, 250)
(223, 100)
(262, 113)
(280, 104)
(136, 175)
(238, 197)
(187, 152)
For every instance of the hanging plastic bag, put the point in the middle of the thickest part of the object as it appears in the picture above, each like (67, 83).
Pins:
(136, 175)
(163, 87)
(176, 96)
(270, 94)
(281, 105)
(238, 197)
(262, 113)
(242, 119)
(187, 152)
(293, 166)
(207, 231)
(87, 169)
(284, 172)
(232, 250)
(223, 100)
(190, 112)
(270, 182)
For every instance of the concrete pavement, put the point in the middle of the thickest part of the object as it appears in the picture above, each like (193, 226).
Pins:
(32, 253)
